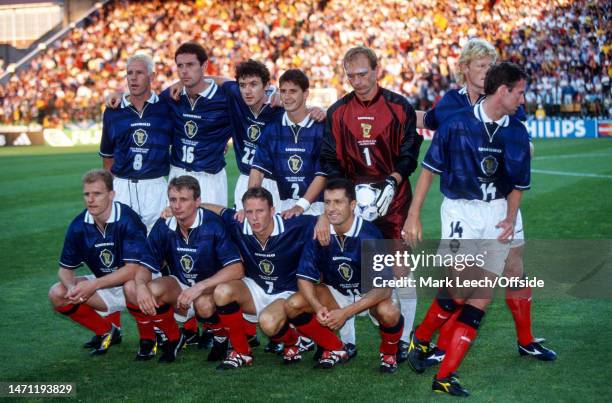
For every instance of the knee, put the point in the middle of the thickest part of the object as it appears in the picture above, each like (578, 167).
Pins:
(270, 322)
(388, 313)
(129, 290)
(56, 294)
(223, 294)
(204, 306)
(294, 305)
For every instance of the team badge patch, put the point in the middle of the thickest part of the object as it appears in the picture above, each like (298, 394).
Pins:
(365, 130)
(489, 165)
(140, 137)
(253, 132)
(191, 128)
(187, 263)
(106, 257)
(266, 267)
(346, 271)
(295, 163)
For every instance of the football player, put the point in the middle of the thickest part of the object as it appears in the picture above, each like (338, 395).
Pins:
(271, 248)
(200, 255)
(109, 238)
(330, 284)
(481, 200)
(289, 151)
(370, 138)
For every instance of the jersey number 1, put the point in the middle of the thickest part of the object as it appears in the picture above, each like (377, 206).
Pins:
(366, 153)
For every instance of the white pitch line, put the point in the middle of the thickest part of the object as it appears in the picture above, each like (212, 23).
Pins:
(578, 174)
(581, 155)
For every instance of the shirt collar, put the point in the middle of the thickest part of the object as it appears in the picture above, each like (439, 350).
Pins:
(199, 220)
(209, 92)
(306, 122)
(353, 231)
(115, 215)
(125, 102)
(482, 116)
(279, 226)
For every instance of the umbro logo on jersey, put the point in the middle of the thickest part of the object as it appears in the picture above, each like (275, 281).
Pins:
(266, 266)
(191, 128)
(106, 257)
(140, 137)
(187, 263)
(22, 140)
(253, 132)
(295, 163)
(346, 271)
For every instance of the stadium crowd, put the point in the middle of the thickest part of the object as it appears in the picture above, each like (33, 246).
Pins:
(563, 45)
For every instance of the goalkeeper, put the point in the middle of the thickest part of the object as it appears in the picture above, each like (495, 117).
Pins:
(370, 137)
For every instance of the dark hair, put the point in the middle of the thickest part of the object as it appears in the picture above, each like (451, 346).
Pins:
(295, 76)
(258, 193)
(250, 68)
(360, 50)
(504, 73)
(192, 48)
(342, 183)
(185, 182)
(99, 175)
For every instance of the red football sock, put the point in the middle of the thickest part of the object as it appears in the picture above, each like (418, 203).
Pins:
(233, 322)
(308, 325)
(86, 316)
(250, 328)
(519, 303)
(446, 331)
(460, 341)
(434, 319)
(144, 323)
(115, 318)
(389, 337)
(191, 324)
(165, 321)
(287, 335)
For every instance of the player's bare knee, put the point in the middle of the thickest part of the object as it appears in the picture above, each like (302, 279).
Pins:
(204, 306)
(270, 322)
(295, 305)
(387, 312)
(129, 290)
(223, 294)
(56, 294)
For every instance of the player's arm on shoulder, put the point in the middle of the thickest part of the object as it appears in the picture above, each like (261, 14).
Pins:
(317, 113)
(410, 146)
(256, 177)
(215, 208)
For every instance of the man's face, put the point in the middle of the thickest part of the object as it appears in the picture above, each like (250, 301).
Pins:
(512, 99)
(292, 96)
(476, 71)
(183, 205)
(252, 89)
(361, 76)
(98, 199)
(190, 70)
(259, 214)
(138, 78)
(338, 208)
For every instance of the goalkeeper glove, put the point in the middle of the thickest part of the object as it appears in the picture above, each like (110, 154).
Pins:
(387, 191)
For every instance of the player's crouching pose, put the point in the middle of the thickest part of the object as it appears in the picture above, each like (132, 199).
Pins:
(109, 237)
(482, 157)
(199, 254)
(271, 248)
(319, 309)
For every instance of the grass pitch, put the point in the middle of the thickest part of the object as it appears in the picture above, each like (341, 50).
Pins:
(41, 193)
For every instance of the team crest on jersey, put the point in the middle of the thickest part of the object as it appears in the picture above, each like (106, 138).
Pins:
(253, 132)
(365, 130)
(489, 165)
(295, 163)
(140, 137)
(346, 271)
(266, 267)
(191, 128)
(187, 263)
(106, 257)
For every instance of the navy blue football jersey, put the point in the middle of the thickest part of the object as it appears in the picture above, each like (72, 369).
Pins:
(452, 102)
(139, 142)
(273, 265)
(206, 250)
(339, 264)
(105, 250)
(246, 127)
(201, 129)
(289, 153)
(476, 162)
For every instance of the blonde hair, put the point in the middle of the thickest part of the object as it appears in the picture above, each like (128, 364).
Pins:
(476, 48)
(143, 57)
